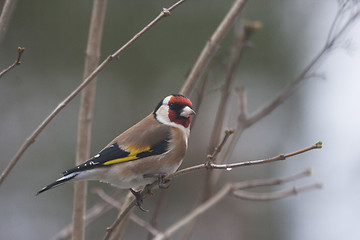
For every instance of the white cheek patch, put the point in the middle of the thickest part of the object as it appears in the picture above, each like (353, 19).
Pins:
(162, 114)
(166, 100)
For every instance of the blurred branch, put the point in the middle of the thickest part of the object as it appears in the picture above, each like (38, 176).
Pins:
(200, 97)
(91, 215)
(351, 7)
(158, 207)
(133, 217)
(211, 47)
(272, 181)
(118, 231)
(274, 195)
(307, 72)
(196, 212)
(31, 139)
(124, 213)
(242, 36)
(86, 115)
(16, 63)
(5, 16)
(245, 121)
(206, 165)
(234, 189)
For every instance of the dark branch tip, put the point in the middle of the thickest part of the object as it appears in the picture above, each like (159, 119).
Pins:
(229, 131)
(253, 25)
(21, 49)
(166, 12)
(318, 144)
(308, 172)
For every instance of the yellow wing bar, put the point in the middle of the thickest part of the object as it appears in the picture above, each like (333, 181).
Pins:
(134, 152)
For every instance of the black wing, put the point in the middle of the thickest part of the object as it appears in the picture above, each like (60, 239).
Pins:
(115, 155)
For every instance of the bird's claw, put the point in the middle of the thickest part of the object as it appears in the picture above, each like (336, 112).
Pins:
(139, 199)
(162, 183)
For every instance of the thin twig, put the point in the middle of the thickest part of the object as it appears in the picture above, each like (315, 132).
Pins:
(211, 47)
(31, 139)
(229, 166)
(219, 147)
(16, 63)
(332, 38)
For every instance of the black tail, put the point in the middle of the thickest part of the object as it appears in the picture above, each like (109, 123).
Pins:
(58, 182)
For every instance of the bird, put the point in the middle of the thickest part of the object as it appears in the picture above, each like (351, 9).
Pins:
(146, 152)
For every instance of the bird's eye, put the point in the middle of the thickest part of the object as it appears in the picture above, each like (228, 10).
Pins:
(172, 106)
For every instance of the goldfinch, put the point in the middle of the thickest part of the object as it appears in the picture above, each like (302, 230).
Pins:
(148, 151)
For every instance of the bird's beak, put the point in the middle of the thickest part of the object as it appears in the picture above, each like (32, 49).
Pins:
(187, 112)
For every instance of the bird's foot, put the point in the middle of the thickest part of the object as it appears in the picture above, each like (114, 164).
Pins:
(139, 199)
(162, 183)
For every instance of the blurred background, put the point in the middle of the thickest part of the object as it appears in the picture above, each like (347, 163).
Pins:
(54, 34)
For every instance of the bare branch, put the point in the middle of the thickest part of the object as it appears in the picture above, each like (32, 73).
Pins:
(211, 47)
(344, 8)
(91, 215)
(31, 139)
(133, 217)
(274, 195)
(233, 189)
(85, 115)
(5, 17)
(244, 121)
(16, 63)
(196, 212)
(159, 206)
(200, 97)
(242, 36)
(125, 211)
(118, 230)
(229, 166)
(307, 72)
(219, 147)
(271, 181)
(206, 165)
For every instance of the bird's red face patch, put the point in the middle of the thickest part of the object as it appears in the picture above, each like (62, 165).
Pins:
(176, 105)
